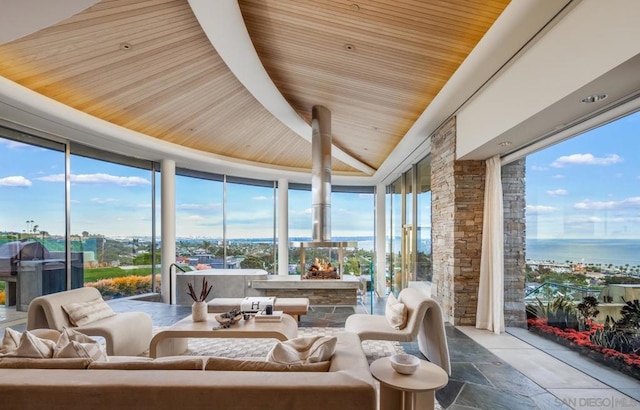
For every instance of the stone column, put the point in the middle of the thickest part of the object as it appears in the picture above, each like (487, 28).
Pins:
(513, 190)
(456, 215)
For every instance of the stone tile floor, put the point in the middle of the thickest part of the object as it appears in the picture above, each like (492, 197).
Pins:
(514, 370)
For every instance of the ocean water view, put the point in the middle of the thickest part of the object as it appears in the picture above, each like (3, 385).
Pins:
(604, 251)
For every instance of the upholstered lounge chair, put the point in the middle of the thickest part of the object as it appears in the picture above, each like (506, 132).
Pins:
(424, 322)
(126, 334)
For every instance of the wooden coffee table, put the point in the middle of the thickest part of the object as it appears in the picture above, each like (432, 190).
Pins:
(173, 341)
(414, 391)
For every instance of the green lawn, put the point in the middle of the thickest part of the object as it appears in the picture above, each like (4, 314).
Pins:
(95, 274)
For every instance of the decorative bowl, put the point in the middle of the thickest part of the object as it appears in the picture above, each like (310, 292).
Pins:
(404, 363)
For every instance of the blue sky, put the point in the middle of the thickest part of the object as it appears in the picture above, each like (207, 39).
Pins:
(588, 186)
(115, 201)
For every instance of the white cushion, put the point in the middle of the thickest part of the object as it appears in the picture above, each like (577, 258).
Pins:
(82, 313)
(303, 350)
(32, 346)
(396, 313)
(74, 344)
(10, 341)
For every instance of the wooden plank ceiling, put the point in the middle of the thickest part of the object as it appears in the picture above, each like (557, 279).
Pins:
(146, 65)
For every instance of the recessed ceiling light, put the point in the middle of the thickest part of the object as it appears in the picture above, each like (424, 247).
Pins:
(125, 46)
(593, 98)
(350, 47)
(505, 143)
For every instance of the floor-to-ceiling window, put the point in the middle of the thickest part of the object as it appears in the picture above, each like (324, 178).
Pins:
(250, 225)
(111, 221)
(583, 208)
(423, 267)
(32, 209)
(409, 232)
(394, 255)
(352, 220)
(199, 221)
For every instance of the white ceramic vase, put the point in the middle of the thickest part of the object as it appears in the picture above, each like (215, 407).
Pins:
(199, 311)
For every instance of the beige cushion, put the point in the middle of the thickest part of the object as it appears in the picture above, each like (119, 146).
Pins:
(32, 346)
(75, 344)
(51, 334)
(10, 341)
(37, 363)
(395, 312)
(82, 313)
(303, 350)
(225, 364)
(163, 363)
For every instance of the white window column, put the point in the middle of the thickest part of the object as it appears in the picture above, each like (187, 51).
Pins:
(380, 240)
(168, 228)
(283, 227)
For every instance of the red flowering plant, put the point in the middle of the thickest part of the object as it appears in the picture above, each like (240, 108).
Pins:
(616, 344)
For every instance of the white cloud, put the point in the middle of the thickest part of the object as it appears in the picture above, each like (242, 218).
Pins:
(584, 219)
(558, 176)
(538, 168)
(99, 178)
(103, 200)
(558, 192)
(16, 180)
(633, 202)
(307, 211)
(261, 198)
(585, 159)
(204, 207)
(195, 218)
(540, 209)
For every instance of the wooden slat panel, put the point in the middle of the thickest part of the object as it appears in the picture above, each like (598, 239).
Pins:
(405, 51)
(171, 84)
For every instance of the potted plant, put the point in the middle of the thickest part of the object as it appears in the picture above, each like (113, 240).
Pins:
(199, 306)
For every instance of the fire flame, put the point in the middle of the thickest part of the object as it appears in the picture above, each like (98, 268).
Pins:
(322, 265)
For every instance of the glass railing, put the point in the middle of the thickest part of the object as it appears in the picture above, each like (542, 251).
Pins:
(548, 291)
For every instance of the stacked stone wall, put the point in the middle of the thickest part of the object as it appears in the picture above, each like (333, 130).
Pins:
(513, 190)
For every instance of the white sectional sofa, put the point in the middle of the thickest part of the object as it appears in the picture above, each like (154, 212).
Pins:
(183, 383)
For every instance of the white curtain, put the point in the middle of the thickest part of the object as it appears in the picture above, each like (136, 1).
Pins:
(490, 313)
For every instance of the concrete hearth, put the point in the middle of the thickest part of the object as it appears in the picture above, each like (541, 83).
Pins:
(319, 292)
(239, 283)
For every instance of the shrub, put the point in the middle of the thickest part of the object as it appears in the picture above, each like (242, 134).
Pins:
(124, 286)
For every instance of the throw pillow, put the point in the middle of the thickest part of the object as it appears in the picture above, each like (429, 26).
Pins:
(82, 313)
(303, 350)
(73, 344)
(32, 346)
(238, 365)
(395, 312)
(10, 341)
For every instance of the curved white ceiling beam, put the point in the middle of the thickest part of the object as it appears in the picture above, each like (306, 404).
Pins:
(224, 26)
(20, 18)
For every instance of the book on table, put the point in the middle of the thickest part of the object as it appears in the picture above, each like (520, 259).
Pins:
(276, 316)
(255, 304)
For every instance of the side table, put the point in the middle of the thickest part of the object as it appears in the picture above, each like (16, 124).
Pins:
(412, 391)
